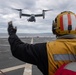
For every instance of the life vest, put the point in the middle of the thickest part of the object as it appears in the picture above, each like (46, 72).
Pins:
(60, 51)
(67, 69)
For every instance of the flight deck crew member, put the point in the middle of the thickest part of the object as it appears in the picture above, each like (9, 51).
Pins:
(48, 56)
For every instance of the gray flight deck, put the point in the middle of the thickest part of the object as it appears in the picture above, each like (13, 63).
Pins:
(8, 61)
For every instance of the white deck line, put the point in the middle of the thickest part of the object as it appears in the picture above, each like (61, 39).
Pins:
(12, 68)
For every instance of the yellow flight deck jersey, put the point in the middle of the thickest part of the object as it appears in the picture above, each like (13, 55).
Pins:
(60, 51)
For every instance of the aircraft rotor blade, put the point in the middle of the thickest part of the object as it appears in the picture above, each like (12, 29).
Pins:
(48, 10)
(17, 9)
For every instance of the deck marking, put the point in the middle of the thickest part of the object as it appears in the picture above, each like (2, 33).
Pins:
(13, 68)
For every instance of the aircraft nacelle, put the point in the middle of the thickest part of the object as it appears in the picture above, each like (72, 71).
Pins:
(20, 14)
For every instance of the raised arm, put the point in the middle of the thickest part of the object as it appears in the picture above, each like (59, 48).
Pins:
(31, 53)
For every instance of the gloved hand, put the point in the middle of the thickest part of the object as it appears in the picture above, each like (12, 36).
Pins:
(11, 30)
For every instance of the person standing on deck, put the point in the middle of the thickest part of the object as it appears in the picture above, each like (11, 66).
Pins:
(51, 56)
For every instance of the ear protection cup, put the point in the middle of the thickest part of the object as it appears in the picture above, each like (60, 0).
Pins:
(53, 27)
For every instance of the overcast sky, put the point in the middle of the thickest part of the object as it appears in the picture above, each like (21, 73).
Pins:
(32, 7)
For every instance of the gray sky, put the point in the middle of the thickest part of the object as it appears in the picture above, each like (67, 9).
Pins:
(32, 7)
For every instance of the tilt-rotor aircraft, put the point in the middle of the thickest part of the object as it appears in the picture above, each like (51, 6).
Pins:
(32, 16)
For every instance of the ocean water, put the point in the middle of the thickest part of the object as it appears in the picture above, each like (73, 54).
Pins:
(5, 35)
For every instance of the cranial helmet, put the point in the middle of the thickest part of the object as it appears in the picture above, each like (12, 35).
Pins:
(64, 23)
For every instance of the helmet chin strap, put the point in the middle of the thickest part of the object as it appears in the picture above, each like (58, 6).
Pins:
(71, 66)
(69, 36)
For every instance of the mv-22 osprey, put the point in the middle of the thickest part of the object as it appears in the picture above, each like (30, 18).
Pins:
(32, 16)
